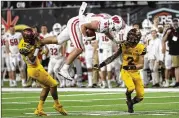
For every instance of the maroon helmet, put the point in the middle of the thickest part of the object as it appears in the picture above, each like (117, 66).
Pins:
(29, 36)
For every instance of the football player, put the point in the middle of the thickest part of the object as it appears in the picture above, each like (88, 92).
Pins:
(5, 56)
(133, 59)
(28, 49)
(14, 56)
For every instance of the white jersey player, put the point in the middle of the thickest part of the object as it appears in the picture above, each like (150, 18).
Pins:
(14, 55)
(76, 32)
(5, 56)
(146, 36)
(105, 50)
(56, 59)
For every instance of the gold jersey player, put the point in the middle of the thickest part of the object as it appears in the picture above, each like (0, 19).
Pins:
(27, 47)
(133, 58)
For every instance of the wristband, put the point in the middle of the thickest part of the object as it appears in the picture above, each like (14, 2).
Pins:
(102, 64)
(131, 67)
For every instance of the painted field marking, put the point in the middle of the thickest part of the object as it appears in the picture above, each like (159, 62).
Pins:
(86, 100)
(98, 106)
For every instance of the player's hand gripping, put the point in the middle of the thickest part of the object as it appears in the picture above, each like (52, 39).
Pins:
(96, 67)
(85, 38)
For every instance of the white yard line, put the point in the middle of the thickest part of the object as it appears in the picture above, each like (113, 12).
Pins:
(95, 106)
(87, 100)
(91, 94)
(89, 90)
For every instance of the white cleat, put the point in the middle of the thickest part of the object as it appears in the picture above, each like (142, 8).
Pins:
(65, 74)
(166, 84)
(172, 84)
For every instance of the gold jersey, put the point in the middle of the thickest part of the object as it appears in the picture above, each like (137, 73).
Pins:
(26, 51)
(131, 55)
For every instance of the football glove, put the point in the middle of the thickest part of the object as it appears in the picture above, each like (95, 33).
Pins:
(96, 67)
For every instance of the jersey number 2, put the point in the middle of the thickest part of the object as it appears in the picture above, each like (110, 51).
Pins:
(130, 61)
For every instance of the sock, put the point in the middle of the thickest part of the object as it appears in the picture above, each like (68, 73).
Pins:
(89, 78)
(65, 67)
(109, 82)
(173, 80)
(104, 83)
(167, 81)
(40, 105)
(56, 102)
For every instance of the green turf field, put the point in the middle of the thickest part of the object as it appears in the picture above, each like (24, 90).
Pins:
(92, 105)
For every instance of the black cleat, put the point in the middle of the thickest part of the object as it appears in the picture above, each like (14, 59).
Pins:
(130, 106)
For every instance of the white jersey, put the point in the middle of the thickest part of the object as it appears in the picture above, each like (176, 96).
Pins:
(54, 51)
(13, 41)
(3, 44)
(103, 41)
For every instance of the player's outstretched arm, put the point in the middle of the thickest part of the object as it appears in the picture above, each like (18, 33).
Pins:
(109, 59)
(49, 40)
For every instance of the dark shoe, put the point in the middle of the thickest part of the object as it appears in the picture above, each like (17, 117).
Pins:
(176, 84)
(130, 106)
(156, 85)
(94, 86)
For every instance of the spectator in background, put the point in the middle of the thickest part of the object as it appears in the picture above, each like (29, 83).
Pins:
(44, 32)
(172, 36)
(154, 56)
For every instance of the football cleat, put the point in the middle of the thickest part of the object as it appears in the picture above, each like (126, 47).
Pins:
(60, 109)
(130, 106)
(65, 74)
(40, 112)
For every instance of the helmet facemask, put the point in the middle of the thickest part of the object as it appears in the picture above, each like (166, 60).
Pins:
(133, 37)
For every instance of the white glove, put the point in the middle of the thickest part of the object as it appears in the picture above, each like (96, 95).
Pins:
(88, 38)
(82, 8)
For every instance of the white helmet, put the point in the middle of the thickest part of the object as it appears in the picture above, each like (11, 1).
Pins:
(57, 28)
(146, 24)
(116, 23)
(2, 29)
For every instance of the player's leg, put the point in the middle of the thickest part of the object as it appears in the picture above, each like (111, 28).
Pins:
(12, 81)
(95, 72)
(139, 87)
(89, 60)
(109, 69)
(8, 67)
(20, 65)
(76, 38)
(79, 72)
(48, 82)
(2, 69)
(56, 69)
(144, 75)
(43, 95)
(51, 65)
(126, 77)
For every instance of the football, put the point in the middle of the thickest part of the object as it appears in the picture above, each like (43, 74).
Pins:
(90, 33)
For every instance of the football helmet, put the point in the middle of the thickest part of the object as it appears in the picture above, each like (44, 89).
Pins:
(116, 23)
(57, 28)
(2, 29)
(146, 24)
(29, 36)
(133, 37)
